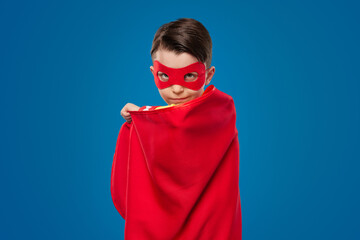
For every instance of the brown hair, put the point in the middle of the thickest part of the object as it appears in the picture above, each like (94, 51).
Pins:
(184, 35)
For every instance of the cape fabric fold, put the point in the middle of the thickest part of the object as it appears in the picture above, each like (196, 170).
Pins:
(175, 172)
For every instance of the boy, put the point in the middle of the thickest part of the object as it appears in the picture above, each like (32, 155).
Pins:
(176, 168)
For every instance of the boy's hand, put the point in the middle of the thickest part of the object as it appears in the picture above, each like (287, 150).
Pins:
(125, 111)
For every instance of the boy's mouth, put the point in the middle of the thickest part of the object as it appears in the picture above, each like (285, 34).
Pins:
(178, 99)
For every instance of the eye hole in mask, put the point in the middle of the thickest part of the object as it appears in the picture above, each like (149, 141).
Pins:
(190, 77)
(163, 77)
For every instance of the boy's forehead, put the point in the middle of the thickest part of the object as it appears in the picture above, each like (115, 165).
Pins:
(174, 60)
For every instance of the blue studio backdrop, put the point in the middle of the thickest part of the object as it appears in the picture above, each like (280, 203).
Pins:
(68, 67)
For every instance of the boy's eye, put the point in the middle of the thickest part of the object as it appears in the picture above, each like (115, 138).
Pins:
(190, 77)
(163, 77)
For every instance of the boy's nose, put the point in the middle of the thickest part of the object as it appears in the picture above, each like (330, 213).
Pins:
(177, 88)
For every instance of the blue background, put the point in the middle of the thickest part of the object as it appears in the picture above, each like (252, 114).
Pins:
(68, 67)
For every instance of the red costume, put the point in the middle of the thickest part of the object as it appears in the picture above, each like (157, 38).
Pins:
(175, 172)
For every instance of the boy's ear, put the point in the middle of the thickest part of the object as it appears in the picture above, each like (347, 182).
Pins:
(210, 73)
(152, 70)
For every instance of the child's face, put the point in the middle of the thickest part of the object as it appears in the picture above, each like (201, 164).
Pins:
(176, 94)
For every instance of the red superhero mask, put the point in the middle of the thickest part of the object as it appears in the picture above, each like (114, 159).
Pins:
(177, 75)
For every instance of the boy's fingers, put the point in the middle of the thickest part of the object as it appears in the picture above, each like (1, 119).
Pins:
(123, 113)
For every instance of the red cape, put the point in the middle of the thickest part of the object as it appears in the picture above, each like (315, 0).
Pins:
(175, 172)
